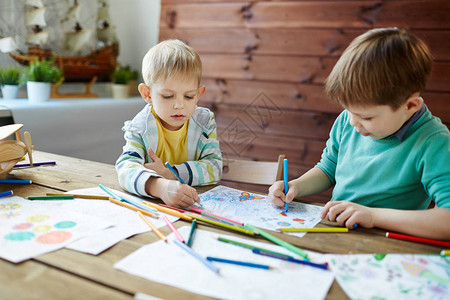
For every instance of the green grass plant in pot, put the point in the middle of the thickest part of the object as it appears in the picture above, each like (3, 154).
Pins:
(39, 76)
(120, 79)
(9, 81)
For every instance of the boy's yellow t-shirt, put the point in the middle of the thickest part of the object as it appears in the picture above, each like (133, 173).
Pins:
(172, 145)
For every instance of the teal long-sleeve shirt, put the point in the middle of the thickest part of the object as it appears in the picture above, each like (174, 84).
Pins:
(390, 173)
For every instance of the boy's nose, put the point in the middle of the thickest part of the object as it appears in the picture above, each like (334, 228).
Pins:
(353, 121)
(178, 104)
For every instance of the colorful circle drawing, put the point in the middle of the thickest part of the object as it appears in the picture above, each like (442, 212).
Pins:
(19, 236)
(9, 215)
(9, 206)
(54, 237)
(42, 228)
(23, 226)
(284, 224)
(65, 224)
(37, 218)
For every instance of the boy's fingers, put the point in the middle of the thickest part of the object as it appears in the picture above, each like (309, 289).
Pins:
(290, 196)
(152, 154)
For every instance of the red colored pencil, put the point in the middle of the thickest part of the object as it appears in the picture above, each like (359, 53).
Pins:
(417, 239)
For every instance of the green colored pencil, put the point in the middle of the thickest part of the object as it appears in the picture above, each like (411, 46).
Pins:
(191, 233)
(50, 197)
(278, 241)
(249, 246)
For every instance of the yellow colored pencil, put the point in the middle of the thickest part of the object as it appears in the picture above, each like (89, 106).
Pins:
(313, 229)
(168, 211)
(80, 196)
(153, 227)
(124, 204)
(445, 252)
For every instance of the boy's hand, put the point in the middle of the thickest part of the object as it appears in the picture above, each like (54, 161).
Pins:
(158, 166)
(347, 214)
(277, 196)
(172, 192)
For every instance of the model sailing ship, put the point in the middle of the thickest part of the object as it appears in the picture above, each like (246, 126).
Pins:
(76, 64)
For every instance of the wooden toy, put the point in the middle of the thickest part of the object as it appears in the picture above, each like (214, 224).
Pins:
(12, 151)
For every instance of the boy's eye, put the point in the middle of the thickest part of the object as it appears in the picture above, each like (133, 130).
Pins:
(189, 97)
(167, 96)
(366, 118)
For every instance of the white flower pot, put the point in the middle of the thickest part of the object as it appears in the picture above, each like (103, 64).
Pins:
(38, 91)
(120, 91)
(9, 91)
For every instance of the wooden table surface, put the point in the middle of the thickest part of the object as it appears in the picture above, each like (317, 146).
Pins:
(68, 274)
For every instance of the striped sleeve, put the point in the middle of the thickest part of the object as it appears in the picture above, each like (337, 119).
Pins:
(130, 168)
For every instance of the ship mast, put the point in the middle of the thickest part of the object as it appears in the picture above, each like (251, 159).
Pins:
(106, 33)
(35, 20)
(78, 38)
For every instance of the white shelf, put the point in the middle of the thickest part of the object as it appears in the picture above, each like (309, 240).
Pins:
(83, 128)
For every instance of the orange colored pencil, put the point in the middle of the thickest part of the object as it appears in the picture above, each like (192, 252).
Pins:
(133, 207)
(168, 211)
(153, 227)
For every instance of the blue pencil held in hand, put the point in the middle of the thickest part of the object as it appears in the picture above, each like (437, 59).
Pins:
(174, 172)
(286, 187)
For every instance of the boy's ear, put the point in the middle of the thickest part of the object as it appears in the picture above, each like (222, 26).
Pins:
(201, 91)
(414, 103)
(144, 90)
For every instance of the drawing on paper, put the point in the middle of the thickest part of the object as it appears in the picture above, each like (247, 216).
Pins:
(257, 209)
(393, 276)
(37, 229)
(9, 206)
(247, 196)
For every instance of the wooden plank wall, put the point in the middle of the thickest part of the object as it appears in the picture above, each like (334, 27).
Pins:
(264, 64)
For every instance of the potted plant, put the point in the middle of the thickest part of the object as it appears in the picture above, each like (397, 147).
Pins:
(133, 82)
(39, 76)
(9, 81)
(120, 79)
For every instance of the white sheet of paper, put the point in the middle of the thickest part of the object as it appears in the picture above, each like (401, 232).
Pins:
(257, 210)
(125, 222)
(392, 276)
(31, 228)
(169, 264)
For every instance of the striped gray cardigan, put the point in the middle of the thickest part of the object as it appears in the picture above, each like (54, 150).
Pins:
(204, 164)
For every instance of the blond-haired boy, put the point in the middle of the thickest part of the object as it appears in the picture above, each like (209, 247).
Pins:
(171, 128)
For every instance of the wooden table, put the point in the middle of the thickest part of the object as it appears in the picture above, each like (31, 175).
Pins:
(68, 274)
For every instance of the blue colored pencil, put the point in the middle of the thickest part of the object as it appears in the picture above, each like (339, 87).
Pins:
(7, 193)
(174, 172)
(197, 256)
(192, 233)
(16, 181)
(137, 204)
(286, 187)
(240, 263)
(35, 164)
(290, 259)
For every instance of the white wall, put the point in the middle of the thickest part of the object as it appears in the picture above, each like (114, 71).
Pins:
(137, 25)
